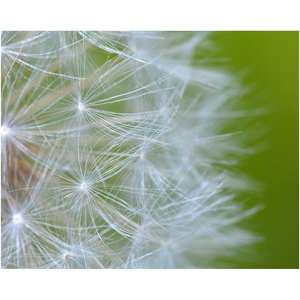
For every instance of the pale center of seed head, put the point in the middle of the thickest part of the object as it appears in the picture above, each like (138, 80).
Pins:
(142, 155)
(84, 186)
(4, 130)
(81, 106)
(17, 219)
(66, 256)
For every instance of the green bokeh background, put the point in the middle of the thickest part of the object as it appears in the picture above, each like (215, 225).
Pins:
(272, 63)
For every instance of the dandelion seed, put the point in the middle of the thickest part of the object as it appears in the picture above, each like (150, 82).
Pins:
(81, 106)
(17, 219)
(142, 155)
(4, 130)
(84, 186)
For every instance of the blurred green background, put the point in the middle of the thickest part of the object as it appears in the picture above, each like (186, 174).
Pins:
(272, 63)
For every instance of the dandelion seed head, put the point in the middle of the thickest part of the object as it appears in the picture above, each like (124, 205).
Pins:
(111, 161)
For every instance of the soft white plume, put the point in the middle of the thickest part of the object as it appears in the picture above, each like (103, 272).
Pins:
(115, 152)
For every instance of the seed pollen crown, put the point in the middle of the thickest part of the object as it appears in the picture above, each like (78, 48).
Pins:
(81, 107)
(17, 219)
(4, 130)
(142, 155)
(84, 186)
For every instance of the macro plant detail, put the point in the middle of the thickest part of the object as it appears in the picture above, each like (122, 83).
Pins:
(115, 152)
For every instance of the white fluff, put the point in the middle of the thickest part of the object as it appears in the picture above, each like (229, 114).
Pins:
(114, 153)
